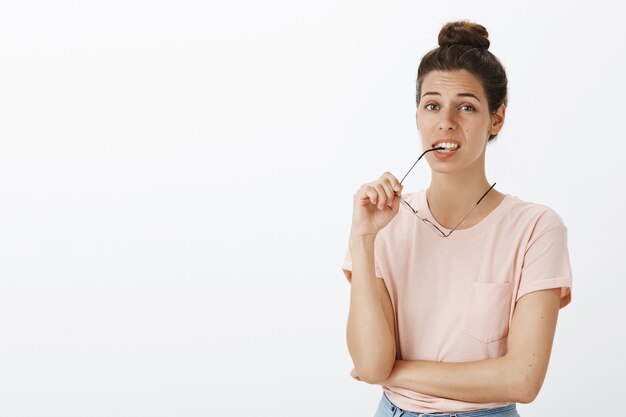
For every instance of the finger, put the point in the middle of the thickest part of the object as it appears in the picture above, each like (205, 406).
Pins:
(395, 205)
(388, 190)
(370, 195)
(395, 184)
(382, 194)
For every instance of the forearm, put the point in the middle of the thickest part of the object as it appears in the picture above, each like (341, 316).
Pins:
(370, 339)
(485, 381)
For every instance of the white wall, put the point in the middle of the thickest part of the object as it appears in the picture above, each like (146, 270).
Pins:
(176, 183)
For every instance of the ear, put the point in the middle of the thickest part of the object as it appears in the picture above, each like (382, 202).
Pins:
(416, 123)
(497, 120)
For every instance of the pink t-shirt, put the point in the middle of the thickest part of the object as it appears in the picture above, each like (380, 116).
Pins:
(453, 297)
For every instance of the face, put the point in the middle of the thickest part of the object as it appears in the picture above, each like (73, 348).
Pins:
(453, 106)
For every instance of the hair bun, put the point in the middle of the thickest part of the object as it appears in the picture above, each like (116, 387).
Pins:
(463, 32)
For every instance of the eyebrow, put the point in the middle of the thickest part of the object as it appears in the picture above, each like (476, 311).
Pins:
(434, 93)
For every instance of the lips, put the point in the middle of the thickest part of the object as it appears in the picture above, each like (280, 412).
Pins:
(443, 155)
(446, 140)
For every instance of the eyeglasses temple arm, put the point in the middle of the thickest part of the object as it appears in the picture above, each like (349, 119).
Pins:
(418, 159)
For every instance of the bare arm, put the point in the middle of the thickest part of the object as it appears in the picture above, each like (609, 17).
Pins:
(515, 377)
(370, 332)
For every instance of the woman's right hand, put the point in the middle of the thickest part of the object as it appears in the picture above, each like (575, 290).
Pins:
(375, 204)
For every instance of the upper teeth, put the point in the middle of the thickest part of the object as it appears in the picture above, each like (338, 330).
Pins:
(448, 145)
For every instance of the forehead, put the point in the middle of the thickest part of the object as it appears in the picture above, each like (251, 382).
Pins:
(452, 82)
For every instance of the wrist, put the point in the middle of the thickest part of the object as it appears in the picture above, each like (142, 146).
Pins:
(359, 239)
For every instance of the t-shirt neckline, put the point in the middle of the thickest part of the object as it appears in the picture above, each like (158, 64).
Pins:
(461, 233)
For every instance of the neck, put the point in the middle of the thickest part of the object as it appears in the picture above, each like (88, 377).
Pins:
(452, 195)
(456, 193)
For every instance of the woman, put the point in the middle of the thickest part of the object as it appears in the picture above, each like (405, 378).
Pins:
(463, 315)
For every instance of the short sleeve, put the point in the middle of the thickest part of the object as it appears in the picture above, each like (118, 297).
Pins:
(546, 262)
(347, 264)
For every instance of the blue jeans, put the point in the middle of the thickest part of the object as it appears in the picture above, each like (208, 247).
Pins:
(388, 409)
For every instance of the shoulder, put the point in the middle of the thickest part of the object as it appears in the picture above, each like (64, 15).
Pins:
(534, 222)
(531, 215)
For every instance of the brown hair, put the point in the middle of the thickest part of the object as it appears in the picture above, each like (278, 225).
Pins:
(463, 46)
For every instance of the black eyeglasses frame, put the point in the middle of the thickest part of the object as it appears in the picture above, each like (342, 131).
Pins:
(425, 220)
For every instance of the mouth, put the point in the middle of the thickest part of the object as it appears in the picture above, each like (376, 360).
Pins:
(445, 146)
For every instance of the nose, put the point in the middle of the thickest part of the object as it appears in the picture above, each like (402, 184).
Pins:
(447, 120)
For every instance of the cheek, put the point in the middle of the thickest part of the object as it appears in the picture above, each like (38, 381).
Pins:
(424, 123)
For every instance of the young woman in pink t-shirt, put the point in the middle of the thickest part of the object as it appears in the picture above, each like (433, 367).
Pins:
(461, 104)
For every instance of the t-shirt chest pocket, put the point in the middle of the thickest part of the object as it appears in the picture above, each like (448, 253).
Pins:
(486, 314)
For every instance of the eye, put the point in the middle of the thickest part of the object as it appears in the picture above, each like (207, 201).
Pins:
(429, 104)
(471, 107)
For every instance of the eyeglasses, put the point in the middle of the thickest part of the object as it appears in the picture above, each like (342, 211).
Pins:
(428, 221)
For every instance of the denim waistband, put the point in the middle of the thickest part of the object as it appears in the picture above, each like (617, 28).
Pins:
(505, 411)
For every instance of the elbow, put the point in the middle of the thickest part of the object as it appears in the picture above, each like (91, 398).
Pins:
(526, 398)
(524, 384)
(375, 374)
(377, 377)
(374, 367)
(526, 392)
